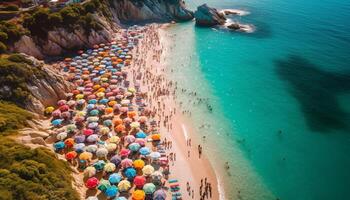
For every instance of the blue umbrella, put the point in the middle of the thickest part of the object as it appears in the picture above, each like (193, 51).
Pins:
(59, 145)
(103, 101)
(120, 198)
(141, 135)
(145, 151)
(90, 106)
(130, 173)
(57, 122)
(134, 146)
(111, 191)
(99, 165)
(115, 178)
(79, 138)
(94, 112)
(116, 160)
(92, 101)
(79, 147)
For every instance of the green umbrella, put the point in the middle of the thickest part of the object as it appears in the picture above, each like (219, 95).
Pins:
(149, 188)
(104, 184)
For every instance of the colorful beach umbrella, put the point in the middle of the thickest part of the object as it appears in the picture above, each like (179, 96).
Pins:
(130, 173)
(115, 178)
(139, 181)
(147, 170)
(138, 195)
(124, 185)
(111, 191)
(149, 188)
(92, 182)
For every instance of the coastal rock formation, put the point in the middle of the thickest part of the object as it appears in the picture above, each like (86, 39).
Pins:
(61, 40)
(150, 10)
(207, 16)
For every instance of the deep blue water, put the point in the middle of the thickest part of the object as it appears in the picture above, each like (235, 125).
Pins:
(285, 90)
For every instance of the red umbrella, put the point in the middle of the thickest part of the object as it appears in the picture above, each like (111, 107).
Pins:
(139, 181)
(124, 152)
(88, 132)
(71, 155)
(92, 182)
(64, 108)
(69, 142)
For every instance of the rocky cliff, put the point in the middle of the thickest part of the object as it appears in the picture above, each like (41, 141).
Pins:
(207, 16)
(111, 15)
(30, 83)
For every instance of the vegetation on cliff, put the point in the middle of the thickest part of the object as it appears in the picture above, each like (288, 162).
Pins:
(15, 73)
(12, 118)
(33, 174)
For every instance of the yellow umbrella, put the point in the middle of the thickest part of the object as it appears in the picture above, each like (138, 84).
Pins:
(138, 195)
(104, 130)
(135, 125)
(147, 170)
(124, 185)
(114, 139)
(85, 156)
(90, 171)
(111, 147)
(49, 109)
(79, 96)
(139, 164)
(109, 167)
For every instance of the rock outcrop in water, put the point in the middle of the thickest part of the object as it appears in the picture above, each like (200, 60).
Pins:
(207, 16)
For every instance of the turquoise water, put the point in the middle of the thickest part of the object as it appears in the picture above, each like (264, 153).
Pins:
(283, 92)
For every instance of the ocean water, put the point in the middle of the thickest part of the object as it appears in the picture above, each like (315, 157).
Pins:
(280, 97)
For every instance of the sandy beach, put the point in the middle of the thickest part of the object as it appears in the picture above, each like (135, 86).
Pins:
(176, 127)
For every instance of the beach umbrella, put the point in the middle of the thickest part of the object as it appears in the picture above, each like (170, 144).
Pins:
(61, 136)
(132, 114)
(107, 122)
(157, 176)
(92, 101)
(89, 171)
(135, 125)
(94, 112)
(56, 113)
(139, 164)
(124, 185)
(114, 139)
(56, 122)
(91, 148)
(144, 151)
(116, 160)
(130, 173)
(111, 147)
(138, 195)
(115, 178)
(139, 181)
(85, 156)
(156, 137)
(69, 142)
(111, 191)
(126, 163)
(59, 145)
(120, 128)
(141, 135)
(101, 152)
(155, 155)
(104, 184)
(61, 102)
(91, 183)
(49, 109)
(149, 188)
(79, 147)
(99, 165)
(79, 138)
(159, 195)
(134, 146)
(142, 119)
(109, 167)
(129, 139)
(141, 141)
(88, 132)
(92, 138)
(147, 170)
(124, 152)
(104, 130)
(92, 125)
(71, 128)
(92, 119)
(120, 198)
(71, 155)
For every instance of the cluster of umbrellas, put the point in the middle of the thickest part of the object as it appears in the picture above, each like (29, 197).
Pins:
(104, 125)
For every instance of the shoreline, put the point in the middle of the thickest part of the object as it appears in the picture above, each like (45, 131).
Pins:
(178, 123)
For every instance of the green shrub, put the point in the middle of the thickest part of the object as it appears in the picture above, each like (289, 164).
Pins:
(13, 31)
(3, 47)
(12, 117)
(33, 174)
(55, 19)
(11, 7)
(3, 36)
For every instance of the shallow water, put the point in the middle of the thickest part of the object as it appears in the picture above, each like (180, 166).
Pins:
(280, 97)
